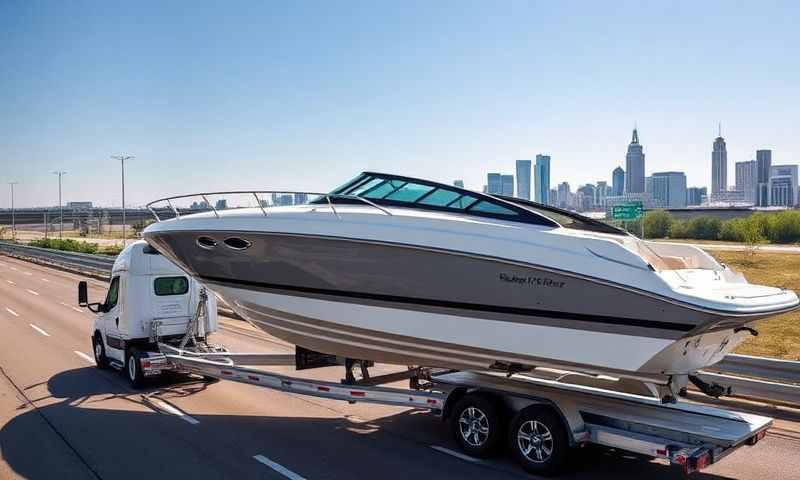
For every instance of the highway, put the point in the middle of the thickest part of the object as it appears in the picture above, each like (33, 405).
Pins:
(60, 417)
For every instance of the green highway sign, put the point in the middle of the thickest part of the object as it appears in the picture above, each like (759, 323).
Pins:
(627, 211)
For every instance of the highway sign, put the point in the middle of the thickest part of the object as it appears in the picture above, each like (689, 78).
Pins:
(627, 211)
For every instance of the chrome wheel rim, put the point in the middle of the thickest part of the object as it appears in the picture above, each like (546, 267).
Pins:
(535, 441)
(473, 425)
(132, 368)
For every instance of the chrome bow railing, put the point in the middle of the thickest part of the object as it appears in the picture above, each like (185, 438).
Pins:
(261, 203)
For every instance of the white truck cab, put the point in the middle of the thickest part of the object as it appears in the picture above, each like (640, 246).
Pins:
(147, 296)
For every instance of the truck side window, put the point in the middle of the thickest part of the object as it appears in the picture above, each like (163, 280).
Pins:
(113, 294)
(171, 286)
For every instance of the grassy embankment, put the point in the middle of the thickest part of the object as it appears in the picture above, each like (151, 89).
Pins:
(779, 336)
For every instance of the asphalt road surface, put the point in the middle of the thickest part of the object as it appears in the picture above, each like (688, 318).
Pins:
(60, 417)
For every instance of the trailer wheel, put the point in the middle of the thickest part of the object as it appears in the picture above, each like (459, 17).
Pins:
(539, 440)
(133, 369)
(477, 425)
(100, 359)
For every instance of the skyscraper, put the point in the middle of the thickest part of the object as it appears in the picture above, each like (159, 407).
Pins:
(719, 166)
(746, 179)
(783, 185)
(634, 166)
(763, 167)
(617, 182)
(564, 200)
(494, 184)
(507, 185)
(542, 179)
(524, 179)
(669, 189)
(694, 195)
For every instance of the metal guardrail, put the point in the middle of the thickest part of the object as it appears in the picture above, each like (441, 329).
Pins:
(753, 377)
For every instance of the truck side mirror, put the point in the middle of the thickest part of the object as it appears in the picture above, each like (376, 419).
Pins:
(83, 294)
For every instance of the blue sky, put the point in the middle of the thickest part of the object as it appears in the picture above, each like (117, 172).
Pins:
(303, 95)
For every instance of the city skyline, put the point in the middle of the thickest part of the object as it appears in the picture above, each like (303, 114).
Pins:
(261, 102)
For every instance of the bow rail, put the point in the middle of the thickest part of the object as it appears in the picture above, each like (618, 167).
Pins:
(264, 200)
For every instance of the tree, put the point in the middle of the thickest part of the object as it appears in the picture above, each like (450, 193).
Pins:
(657, 224)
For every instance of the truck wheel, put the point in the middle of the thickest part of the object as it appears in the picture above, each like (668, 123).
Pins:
(477, 425)
(133, 369)
(539, 440)
(100, 359)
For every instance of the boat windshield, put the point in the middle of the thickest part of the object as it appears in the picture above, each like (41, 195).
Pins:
(393, 190)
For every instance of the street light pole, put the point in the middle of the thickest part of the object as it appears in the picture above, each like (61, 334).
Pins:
(122, 159)
(13, 219)
(60, 207)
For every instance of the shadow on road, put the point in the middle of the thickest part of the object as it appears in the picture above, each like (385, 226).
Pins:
(94, 426)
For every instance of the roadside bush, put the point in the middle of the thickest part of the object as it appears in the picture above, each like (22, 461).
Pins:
(66, 244)
(657, 224)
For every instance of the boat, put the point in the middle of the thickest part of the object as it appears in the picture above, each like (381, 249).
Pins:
(407, 271)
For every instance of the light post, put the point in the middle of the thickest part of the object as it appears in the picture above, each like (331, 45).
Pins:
(60, 207)
(122, 159)
(13, 219)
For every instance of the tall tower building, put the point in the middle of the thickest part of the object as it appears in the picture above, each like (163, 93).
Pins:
(719, 166)
(541, 179)
(634, 166)
(746, 180)
(494, 184)
(507, 185)
(617, 182)
(763, 170)
(524, 179)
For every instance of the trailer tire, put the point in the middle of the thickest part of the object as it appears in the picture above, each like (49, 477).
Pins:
(539, 441)
(133, 369)
(99, 350)
(477, 425)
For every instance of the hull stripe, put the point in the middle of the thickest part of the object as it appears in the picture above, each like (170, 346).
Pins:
(680, 327)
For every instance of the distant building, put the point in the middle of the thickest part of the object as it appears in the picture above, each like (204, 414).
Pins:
(783, 186)
(669, 189)
(458, 183)
(542, 179)
(199, 205)
(507, 185)
(585, 198)
(564, 195)
(648, 184)
(617, 182)
(524, 179)
(494, 184)
(300, 198)
(285, 200)
(763, 165)
(221, 204)
(634, 166)
(600, 194)
(695, 195)
(719, 166)
(746, 179)
(79, 205)
(552, 200)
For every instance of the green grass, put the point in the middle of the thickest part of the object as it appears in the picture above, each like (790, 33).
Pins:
(779, 337)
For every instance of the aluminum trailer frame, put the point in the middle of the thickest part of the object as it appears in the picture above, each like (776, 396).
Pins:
(688, 436)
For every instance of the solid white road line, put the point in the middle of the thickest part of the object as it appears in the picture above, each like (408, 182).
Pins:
(32, 292)
(453, 453)
(9, 281)
(27, 273)
(84, 356)
(278, 468)
(45, 280)
(12, 312)
(13, 268)
(39, 330)
(76, 309)
(174, 411)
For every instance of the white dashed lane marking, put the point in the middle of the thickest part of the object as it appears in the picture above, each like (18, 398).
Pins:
(84, 356)
(9, 281)
(32, 292)
(39, 330)
(453, 453)
(12, 312)
(278, 468)
(45, 280)
(166, 407)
